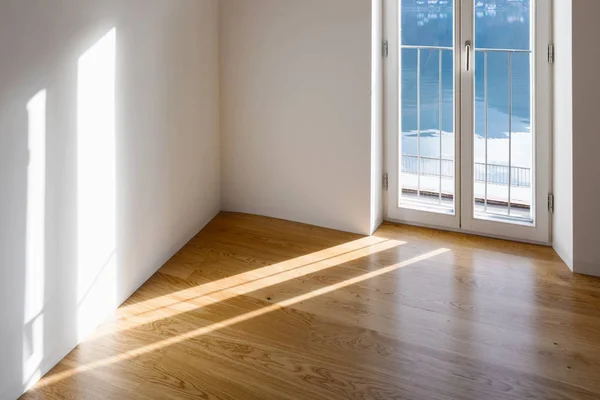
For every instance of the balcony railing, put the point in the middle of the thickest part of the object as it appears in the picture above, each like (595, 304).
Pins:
(496, 174)
(487, 173)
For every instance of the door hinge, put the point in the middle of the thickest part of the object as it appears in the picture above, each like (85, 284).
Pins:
(551, 54)
(385, 49)
(551, 203)
(386, 182)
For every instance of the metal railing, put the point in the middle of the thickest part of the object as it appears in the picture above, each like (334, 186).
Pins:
(507, 175)
(509, 169)
(496, 174)
(440, 50)
(429, 166)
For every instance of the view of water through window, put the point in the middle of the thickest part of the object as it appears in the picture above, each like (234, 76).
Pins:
(502, 100)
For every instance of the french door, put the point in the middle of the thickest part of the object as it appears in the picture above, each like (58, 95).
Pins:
(467, 121)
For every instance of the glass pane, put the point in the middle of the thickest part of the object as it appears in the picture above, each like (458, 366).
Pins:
(427, 104)
(503, 141)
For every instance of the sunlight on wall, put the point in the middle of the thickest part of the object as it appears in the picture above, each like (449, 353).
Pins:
(96, 181)
(237, 319)
(33, 332)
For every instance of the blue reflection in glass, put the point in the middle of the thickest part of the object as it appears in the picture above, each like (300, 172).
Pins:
(499, 24)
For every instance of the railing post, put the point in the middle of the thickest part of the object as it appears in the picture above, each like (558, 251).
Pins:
(485, 89)
(440, 116)
(419, 122)
(509, 129)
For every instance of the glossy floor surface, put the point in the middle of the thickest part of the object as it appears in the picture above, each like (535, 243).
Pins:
(258, 308)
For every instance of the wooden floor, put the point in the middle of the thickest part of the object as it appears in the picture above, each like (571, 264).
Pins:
(258, 308)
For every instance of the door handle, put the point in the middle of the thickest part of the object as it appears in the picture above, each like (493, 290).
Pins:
(468, 54)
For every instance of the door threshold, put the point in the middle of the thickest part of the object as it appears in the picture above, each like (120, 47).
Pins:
(467, 232)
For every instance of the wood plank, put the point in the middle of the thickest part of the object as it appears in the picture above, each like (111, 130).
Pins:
(259, 308)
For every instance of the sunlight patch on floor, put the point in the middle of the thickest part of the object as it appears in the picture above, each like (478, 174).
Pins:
(247, 282)
(236, 320)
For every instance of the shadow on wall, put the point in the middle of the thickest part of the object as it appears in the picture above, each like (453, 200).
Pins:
(41, 297)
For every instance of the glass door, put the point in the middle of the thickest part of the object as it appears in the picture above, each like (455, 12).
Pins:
(422, 104)
(505, 119)
(467, 115)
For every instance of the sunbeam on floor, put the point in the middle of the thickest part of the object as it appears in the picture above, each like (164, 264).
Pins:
(256, 308)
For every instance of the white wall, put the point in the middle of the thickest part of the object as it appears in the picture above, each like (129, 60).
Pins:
(576, 135)
(165, 160)
(376, 115)
(562, 229)
(296, 110)
(586, 137)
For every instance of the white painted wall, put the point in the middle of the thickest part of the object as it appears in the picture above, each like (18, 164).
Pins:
(296, 110)
(376, 115)
(586, 137)
(562, 229)
(576, 135)
(167, 162)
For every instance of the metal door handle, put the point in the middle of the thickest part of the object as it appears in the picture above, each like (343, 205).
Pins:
(468, 51)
